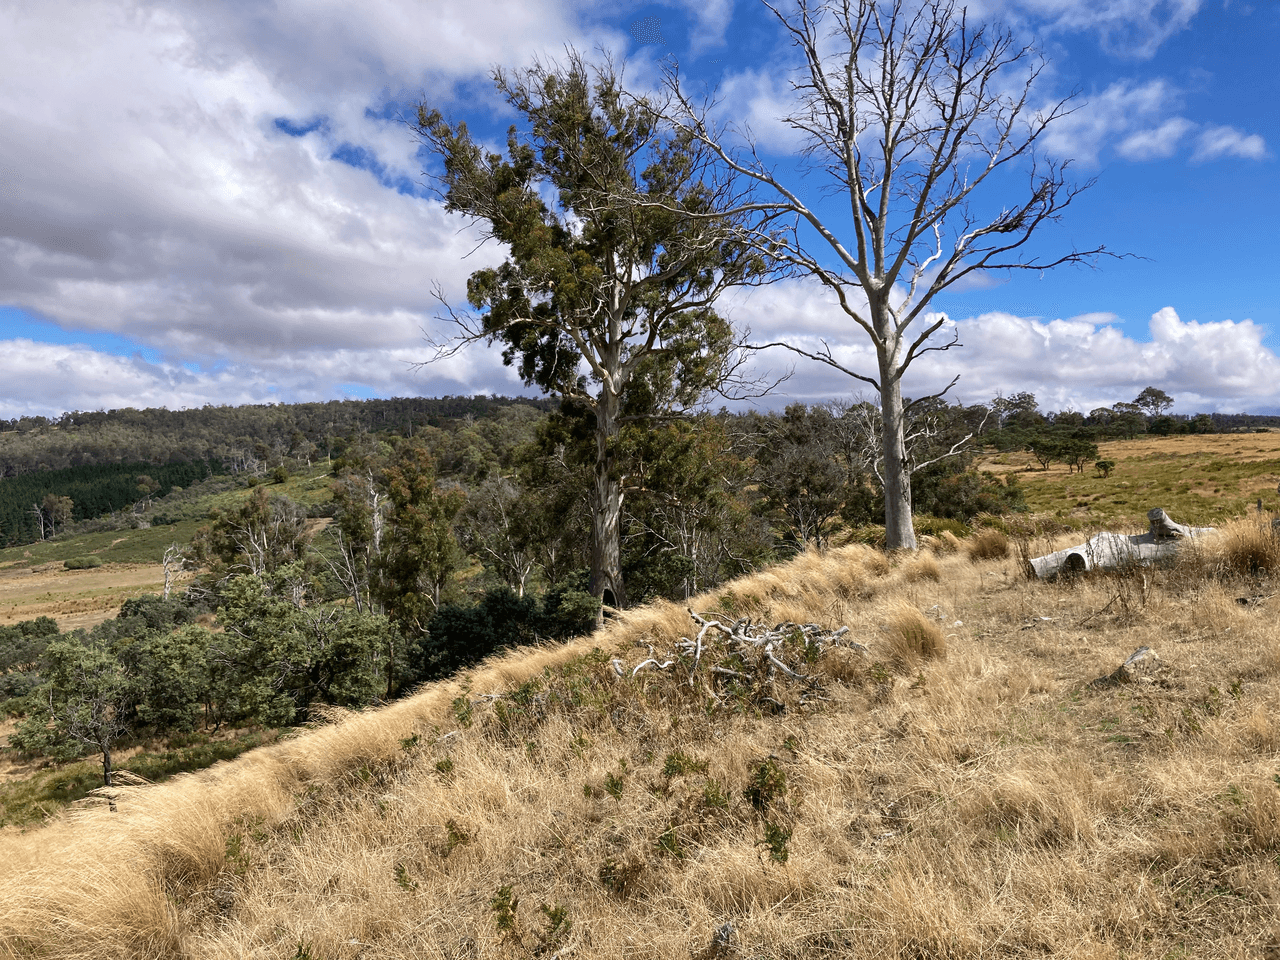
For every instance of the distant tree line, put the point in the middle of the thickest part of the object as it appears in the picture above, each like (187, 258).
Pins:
(234, 435)
(34, 506)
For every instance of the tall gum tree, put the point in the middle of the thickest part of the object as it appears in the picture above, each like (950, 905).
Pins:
(618, 250)
(911, 115)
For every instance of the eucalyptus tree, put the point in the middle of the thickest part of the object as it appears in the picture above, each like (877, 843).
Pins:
(617, 249)
(911, 115)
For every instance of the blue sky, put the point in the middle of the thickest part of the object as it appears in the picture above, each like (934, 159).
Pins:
(217, 203)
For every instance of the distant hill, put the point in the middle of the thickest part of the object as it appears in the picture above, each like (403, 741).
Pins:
(224, 433)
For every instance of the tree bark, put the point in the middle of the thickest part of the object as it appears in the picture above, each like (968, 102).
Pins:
(606, 509)
(899, 534)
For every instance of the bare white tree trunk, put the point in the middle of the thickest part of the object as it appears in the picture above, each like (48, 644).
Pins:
(898, 530)
(906, 108)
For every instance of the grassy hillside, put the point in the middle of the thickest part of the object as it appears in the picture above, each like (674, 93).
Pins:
(977, 783)
(1199, 479)
(34, 582)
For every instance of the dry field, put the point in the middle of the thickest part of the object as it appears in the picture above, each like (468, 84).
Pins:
(1200, 479)
(978, 784)
(74, 598)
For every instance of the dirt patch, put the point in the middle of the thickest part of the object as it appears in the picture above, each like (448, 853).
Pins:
(75, 598)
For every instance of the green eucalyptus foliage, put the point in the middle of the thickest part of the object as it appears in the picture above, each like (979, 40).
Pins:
(279, 652)
(85, 702)
(617, 275)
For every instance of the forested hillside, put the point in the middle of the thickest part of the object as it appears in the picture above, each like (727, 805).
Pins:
(238, 435)
(34, 506)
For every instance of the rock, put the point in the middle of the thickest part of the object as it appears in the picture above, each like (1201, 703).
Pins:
(1141, 667)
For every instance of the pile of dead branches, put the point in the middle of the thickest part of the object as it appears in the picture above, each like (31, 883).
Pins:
(747, 660)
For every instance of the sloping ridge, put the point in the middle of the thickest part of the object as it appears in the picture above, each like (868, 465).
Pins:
(926, 799)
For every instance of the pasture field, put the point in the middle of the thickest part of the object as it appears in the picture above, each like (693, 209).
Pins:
(76, 598)
(1200, 479)
(982, 781)
(34, 582)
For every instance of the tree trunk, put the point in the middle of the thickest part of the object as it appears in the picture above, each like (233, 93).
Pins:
(606, 510)
(106, 766)
(898, 531)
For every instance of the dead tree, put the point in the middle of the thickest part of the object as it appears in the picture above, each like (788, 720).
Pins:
(910, 114)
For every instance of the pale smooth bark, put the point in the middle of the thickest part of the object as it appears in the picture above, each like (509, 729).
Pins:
(905, 110)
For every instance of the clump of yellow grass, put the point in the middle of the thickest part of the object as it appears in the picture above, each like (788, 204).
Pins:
(1247, 548)
(987, 544)
(923, 567)
(911, 636)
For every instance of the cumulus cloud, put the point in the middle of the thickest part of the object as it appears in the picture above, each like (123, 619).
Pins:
(1215, 142)
(1083, 362)
(151, 192)
(1069, 363)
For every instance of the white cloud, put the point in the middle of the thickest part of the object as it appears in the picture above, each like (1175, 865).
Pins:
(1073, 363)
(149, 192)
(1083, 362)
(1117, 113)
(48, 379)
(711, 20)
(1157, 142)
(1128, 28)
(1223, 141)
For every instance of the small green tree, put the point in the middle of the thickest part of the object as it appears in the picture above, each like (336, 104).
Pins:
(171, 672)
(280, 651)
(84, 704)
(419, 551)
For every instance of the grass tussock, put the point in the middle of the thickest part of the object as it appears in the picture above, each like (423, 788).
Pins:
(1247, 548)
(911, 636)
(946, 543)
(923, 567)
(1002, 800)
(987, 544)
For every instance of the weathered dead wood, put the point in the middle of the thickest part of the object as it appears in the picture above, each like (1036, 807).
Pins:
(1111, 551)
(746, 653)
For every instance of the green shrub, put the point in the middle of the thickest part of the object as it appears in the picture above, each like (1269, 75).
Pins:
(82, 563)
(927, 525)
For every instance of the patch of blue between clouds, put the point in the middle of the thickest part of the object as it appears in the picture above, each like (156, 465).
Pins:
(364, 159)
(16, 323)
(296, 128)
(356, 391)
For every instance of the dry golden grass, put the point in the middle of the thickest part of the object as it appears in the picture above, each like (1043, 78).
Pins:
(911, 636)
(76, 598)
(987, 544)
(1005, 801)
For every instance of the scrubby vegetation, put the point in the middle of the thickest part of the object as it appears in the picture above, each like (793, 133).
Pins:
(1011, 798)
(964, 773)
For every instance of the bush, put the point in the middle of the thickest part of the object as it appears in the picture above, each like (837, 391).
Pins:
(82, 563)
(458, 636)
(927, 525)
